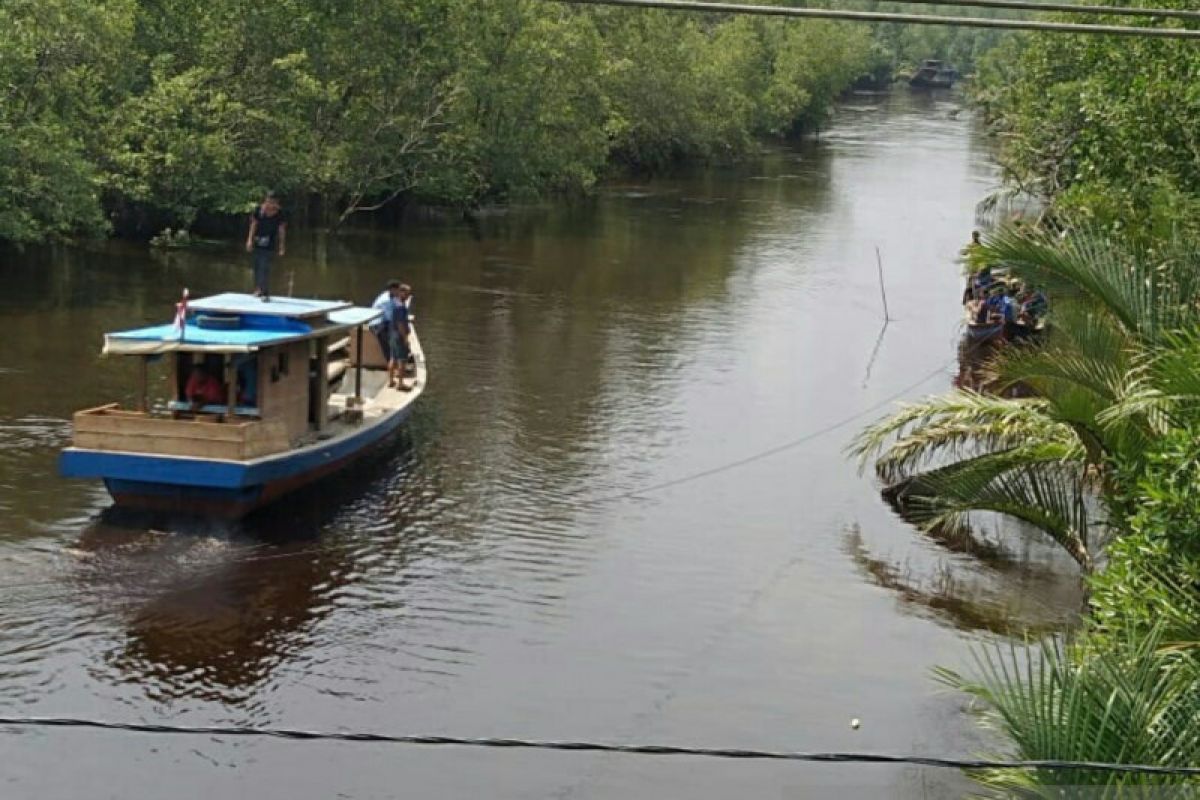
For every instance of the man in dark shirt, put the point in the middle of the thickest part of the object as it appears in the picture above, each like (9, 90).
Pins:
(268, 234)
(398, 340)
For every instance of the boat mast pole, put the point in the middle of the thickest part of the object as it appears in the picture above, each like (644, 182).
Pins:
(230, 388)
(143, 402)
(362, 329)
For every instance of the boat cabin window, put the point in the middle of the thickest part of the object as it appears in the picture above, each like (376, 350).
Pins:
(201, 383)
(191, 368)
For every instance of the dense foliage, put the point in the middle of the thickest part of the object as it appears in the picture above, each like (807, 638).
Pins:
(1101, 126)
(1104, 132)
(149, 112)
(900, 49)
(1101, 455)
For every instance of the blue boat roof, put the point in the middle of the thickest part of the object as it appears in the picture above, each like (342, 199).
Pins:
(293, 307)
(242, 323)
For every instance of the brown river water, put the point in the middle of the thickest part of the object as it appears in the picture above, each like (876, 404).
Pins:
(573, 540)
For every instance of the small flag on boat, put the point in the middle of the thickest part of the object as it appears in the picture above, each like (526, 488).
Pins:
(181, 314)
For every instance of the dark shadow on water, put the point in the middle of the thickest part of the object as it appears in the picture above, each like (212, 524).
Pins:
(982, 586)
(211, 609)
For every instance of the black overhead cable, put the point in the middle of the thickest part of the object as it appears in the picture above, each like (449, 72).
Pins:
(1067, 8)
(600, 747)
(910, 19)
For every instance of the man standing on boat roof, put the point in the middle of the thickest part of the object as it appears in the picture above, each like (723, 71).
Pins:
(392, 330)
(268, 235)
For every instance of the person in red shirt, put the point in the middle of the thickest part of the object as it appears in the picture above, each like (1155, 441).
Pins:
(203, 389)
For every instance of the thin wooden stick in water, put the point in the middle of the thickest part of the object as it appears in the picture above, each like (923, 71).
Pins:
(882, 291)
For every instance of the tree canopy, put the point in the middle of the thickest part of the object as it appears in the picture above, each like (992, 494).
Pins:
(1100, 127)
(151, 112)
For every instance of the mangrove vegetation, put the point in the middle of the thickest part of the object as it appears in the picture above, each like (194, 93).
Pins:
(143, 114)
(139, 115)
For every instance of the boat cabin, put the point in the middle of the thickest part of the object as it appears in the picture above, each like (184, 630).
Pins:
(934, 73)
(247, 378)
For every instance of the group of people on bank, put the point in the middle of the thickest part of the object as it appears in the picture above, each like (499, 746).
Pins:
(993, 299)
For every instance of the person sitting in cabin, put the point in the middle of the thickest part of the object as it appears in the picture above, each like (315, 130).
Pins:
(982, 313)
(1001, 307)
(203, 389)
(982, 283)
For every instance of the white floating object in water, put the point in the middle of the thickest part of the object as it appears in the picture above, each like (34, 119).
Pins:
(854, 723)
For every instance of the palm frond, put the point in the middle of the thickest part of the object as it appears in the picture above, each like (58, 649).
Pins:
(1048, 494)
(1163, 384)
(955, 425)
(1131, 702)
(1148, 292)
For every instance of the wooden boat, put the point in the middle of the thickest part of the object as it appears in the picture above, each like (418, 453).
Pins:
(934, 74)
(980, 332)
(293, 414)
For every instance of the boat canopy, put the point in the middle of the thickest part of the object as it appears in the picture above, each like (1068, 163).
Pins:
(289, 307)
(241, 323)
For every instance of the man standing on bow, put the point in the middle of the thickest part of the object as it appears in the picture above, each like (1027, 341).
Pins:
(393, 329)
(268, 235)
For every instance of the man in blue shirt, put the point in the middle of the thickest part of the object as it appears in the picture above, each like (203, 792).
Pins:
(392, 330)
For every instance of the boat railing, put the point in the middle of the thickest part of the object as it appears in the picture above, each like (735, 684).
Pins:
(113, 428)
(184, 407)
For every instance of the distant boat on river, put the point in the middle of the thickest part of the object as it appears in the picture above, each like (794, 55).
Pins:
(934, 74)
(305, 393)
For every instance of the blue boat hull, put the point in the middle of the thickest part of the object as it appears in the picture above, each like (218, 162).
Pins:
(229, 489)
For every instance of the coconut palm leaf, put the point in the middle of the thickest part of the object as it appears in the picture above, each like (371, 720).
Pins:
(1130, 702)
(1163, 387)
(1030, 484)
(957, 425)
(1165, 599)
(1081, 391)
(1084, 349)
(1148, 292)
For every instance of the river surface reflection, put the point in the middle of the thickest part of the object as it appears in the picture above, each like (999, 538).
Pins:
(527, 561)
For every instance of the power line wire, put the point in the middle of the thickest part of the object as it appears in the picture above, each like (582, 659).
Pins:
(777, 449)
(1066, 8)
(910, 19)
(291, 734)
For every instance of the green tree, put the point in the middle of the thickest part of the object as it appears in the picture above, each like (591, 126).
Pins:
(60, 66)
(534, 111)
(165, 110)
(1100, 127)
